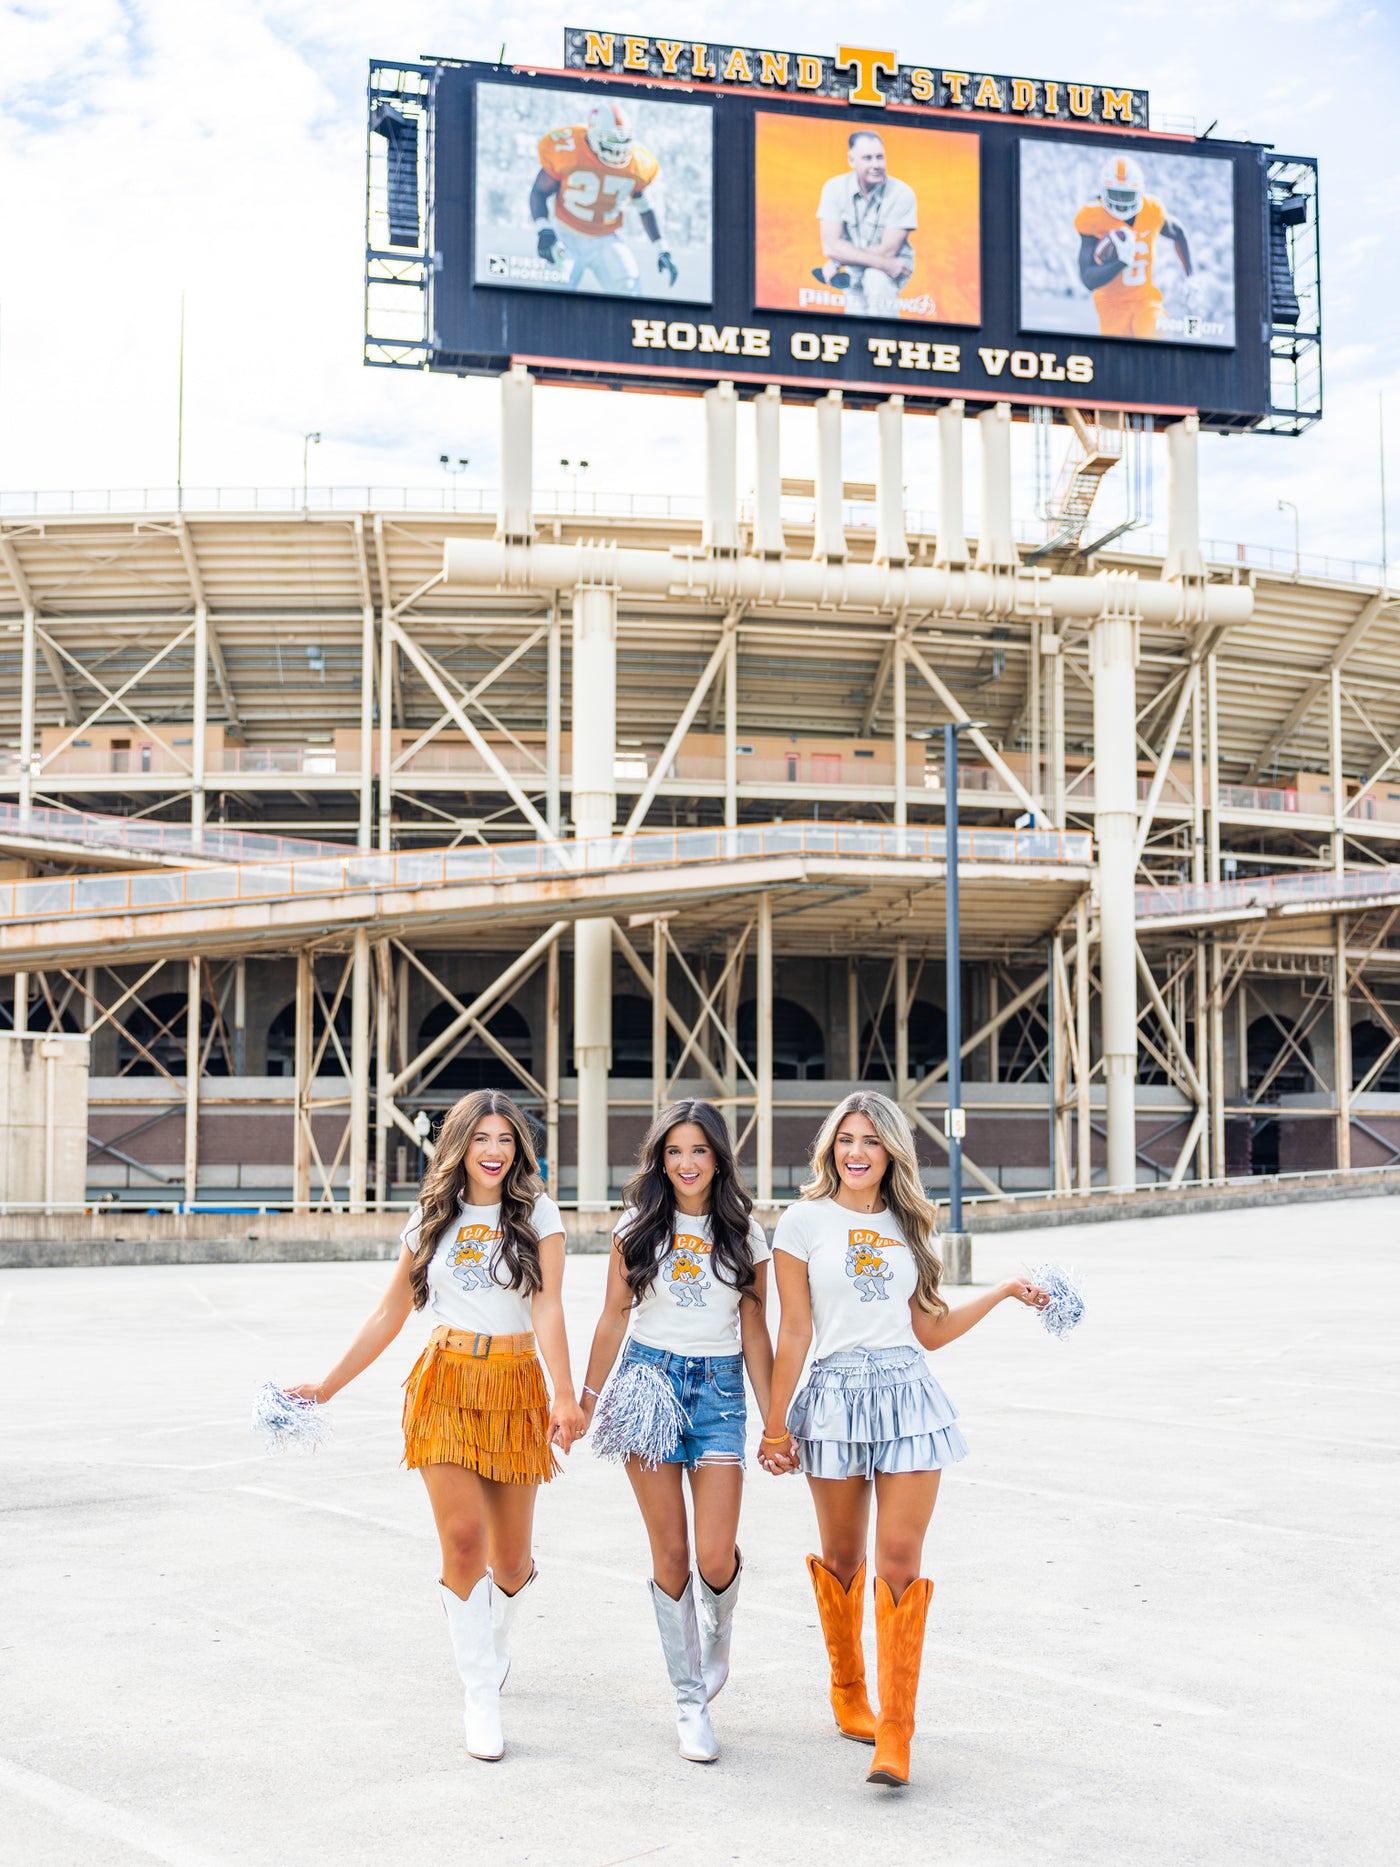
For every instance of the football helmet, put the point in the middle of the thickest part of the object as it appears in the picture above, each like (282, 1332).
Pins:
(1122, 188)
(610, 135)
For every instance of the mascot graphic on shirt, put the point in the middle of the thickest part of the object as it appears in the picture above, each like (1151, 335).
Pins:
(684, 1270)
(470, 1257)
(867, 1266)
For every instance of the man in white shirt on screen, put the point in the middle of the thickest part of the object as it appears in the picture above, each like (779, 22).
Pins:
(866, 217)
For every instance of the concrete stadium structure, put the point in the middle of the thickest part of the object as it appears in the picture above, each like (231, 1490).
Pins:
(599, 804)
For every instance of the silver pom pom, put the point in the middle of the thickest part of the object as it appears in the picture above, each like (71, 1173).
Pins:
(1065, 1310)
(638, 1416)
(287, 1421)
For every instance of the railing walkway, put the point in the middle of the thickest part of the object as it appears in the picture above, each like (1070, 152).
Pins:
(518, 862)
(143, 836)
(470, 501)
(1262, 894)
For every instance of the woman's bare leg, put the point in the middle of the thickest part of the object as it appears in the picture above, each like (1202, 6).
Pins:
(717, 1486)
(843, 1523)
(904, 1504)
(661, 1499)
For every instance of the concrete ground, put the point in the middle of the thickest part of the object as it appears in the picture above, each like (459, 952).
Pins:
(1161, 1633)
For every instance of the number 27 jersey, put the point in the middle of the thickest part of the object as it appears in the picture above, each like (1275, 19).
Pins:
(591, 194)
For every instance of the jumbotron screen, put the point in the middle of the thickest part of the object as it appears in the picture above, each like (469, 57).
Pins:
(659, 215)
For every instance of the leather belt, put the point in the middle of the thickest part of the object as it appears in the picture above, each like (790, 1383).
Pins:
(479, 1345)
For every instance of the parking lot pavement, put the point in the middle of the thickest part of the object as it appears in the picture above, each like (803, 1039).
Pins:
(1161, 1631)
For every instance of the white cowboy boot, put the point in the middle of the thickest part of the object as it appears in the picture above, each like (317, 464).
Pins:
(503, 1610)
(716, 1626)
(680, 1644)
(473, 1647)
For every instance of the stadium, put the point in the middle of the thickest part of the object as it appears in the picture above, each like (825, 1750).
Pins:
(672, 835)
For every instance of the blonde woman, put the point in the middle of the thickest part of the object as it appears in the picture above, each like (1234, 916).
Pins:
(858, 1280)
(483, 1251)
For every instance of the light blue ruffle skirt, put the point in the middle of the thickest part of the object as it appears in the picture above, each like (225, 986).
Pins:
(874, 1410)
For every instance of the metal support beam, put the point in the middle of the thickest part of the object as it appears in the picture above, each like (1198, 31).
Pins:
(829, 534)
(552, 1010)
(901, 729)
(768, 539)
(199, 749)
(383, 1027)
(952, 526)
(1341, 1043)
(1310, 695)
(658, 1014)
(554, 720)
(1084, 1163)
(731, 728)
(594, 811)
(359, 1070)
(996, 543)
(193, 998)
(721, 522)
(891, 544)
(764, 1047)
(301, 1071)
(1184, 559)
(957, 711)
(719, 657)
(516, 516)
(1113, 654)
(1336, 774)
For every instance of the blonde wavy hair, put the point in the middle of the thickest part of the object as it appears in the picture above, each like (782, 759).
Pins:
(902, 1189)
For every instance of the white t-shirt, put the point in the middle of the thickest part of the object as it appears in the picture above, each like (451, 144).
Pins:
(467, 1287)
(690, 1309)
(861, 1273)
(865, 217)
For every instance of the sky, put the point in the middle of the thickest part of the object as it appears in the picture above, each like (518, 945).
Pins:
(155, 148)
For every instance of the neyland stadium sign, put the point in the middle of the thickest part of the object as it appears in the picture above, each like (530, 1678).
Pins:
(856, 75)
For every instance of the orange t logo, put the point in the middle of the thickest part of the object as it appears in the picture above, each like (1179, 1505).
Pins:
(866, 63)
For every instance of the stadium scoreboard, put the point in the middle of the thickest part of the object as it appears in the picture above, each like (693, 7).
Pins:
(665, 214)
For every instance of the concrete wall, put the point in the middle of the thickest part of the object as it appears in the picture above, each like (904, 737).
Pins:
(43, 1119)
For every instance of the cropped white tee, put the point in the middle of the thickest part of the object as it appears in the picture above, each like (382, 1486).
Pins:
(861, 1273)
(467, 1287)
(689, 1308)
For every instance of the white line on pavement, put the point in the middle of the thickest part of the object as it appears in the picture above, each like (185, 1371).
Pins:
(103, 1820)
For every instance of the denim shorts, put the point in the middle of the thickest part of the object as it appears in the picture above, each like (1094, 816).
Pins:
(710, 1390)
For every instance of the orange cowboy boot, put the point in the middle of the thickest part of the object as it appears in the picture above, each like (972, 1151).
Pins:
(899, 1638)
(842, 1610)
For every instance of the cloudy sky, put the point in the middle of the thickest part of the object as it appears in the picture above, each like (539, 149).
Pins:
(155, 146)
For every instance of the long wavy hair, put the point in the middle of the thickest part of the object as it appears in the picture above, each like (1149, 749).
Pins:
(901, 1187)
(445, 1184)
(651, 1199)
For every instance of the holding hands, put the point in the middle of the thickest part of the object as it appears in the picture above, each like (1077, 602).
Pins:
(566, 1422)
(777, 1453)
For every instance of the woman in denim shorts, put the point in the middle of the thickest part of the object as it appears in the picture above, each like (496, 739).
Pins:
(689, 1272)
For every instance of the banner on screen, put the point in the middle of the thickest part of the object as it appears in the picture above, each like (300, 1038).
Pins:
(1126, 242)
(580, 193)
(862, 222)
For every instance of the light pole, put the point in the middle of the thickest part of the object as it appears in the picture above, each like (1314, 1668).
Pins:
(449, 465)
(1287, 505)
(308, 441)
(574, 468)
(957, 1244)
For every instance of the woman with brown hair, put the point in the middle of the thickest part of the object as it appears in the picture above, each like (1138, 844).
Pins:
(856, 1268)
(687, 1286)
(483, 1252)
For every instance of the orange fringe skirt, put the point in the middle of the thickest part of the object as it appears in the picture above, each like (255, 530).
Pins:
(488, 1412)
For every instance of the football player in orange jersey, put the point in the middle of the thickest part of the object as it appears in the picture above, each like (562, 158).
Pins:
(1117, 246)
(589, 174)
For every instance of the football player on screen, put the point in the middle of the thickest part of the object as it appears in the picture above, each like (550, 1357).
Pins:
(588, 174)
(1117, 247)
